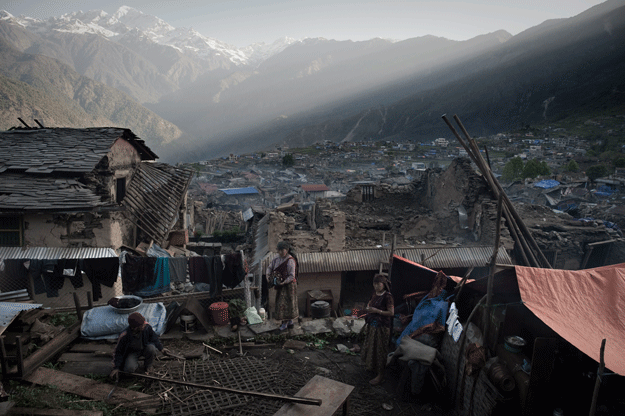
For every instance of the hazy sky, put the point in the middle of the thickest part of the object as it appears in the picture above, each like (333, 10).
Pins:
(241, 22)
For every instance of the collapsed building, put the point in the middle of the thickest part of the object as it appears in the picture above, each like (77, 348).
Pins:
(446, 222)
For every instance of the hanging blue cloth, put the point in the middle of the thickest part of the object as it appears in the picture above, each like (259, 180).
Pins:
(428, 311)
(163, 279)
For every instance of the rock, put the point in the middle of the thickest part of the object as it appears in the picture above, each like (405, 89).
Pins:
(357, 325)
(342, 348)
(316, 326)
(341, 326)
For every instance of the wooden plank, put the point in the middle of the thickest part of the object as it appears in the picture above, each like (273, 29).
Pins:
(53, 347)
(94, 348)
(332, 394)
(53, 412)
(93, 389)
(84, 357)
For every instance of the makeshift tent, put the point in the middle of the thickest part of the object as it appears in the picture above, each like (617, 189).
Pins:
(408, 277)
(582, 306)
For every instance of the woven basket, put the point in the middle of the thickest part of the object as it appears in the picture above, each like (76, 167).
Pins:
(219, 312)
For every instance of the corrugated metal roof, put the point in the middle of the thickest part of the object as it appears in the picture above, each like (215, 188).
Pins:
(436, 258)
(9, 310)
(240, 191)
(55, 253)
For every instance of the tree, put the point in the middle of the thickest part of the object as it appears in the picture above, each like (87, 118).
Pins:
(572, 166)
(288, 160)
(531, 169)
(620, 162)
(597, 171)
(513, 169)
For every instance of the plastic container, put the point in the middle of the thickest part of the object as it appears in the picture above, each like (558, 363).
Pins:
(219, 313)
(320, 309)
(262, 314)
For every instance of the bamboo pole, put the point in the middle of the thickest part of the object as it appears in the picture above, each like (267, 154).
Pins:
(493, 188)
(522, 226)
(491, 274)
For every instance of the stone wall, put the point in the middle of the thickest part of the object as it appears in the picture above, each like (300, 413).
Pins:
(89, 229)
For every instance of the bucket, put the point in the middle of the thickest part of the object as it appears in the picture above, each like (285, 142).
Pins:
(320, 309)
(187, 322)
(219, 312)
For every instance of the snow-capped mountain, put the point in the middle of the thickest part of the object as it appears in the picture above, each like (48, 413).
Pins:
(127, 19)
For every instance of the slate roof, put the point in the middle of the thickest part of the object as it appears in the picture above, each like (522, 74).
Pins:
(62, 150)
(19, 192)
(43, 169)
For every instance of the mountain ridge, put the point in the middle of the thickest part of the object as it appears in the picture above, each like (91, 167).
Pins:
(300, 91)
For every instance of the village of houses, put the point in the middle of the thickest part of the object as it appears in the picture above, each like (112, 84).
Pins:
(523, 269)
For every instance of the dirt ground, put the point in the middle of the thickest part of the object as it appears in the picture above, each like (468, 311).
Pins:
(289, 369)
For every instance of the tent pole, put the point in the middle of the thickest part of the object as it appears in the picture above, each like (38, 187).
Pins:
(595, 394)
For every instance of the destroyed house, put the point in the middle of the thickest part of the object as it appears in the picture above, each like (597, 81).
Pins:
(91, 187)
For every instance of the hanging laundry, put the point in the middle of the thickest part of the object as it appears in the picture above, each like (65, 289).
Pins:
(35, 269)
(162, 279)
(233, 273)
(17, 275)
(198, 272)
(214, 267)
(100, 271)
(69, 268)
(137, 273)
(52, 282)
(178, 269)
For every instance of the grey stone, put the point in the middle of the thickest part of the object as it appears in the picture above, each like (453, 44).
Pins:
(357, 325)
(323, 370)
(341, 348)
(341, 326)
(316, 326)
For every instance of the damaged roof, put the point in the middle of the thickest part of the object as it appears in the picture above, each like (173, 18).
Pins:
(154, 196)
(18, 192)
(41, 169)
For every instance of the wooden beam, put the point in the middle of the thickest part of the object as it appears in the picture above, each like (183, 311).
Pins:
(93, 389)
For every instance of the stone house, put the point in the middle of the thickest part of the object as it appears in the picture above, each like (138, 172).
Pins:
(92, 187)
(83, 194)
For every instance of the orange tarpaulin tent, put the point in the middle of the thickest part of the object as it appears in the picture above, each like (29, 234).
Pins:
(582, 306)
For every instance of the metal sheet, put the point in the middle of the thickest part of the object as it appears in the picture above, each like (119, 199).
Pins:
(359, 260)
(55, 253)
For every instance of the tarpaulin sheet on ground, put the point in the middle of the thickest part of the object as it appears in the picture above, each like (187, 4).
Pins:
(582, 306)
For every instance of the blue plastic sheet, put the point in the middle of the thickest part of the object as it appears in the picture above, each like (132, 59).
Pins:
(547, 183)
(428, 311)
(104, 323)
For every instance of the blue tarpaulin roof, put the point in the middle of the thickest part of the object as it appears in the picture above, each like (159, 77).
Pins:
(546, 184)
(240, 191)
(605, 191)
